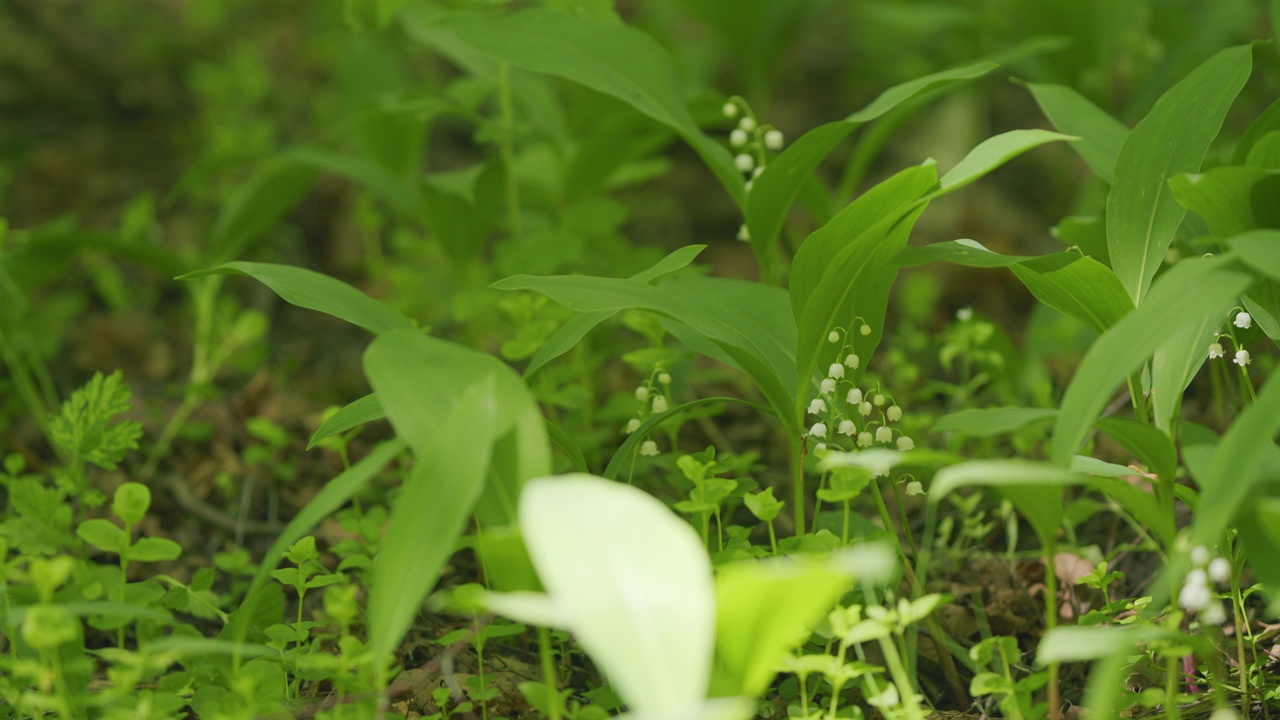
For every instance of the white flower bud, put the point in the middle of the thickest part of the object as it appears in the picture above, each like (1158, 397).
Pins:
(747, 123)
(1242, 358)
(642, 393)
(878, 399)
(852, 361)
(854, 397)
(756, 173)
(827, 386)
(864, 439)
(744, 234)
(905, 443)
(738, 138)
(664, 378)
(648, 448)
(1195, 593)
(730, 110)
(915, 488)
(748, 185)
(1243, 320)
(865, 329)
(1216, 351)
(836, 370)
(865, 408)
(1213, 614)
(833, 337)
(881, 470)
(819, 448)
(884, 434)
(659, 404)
(1220, 570)
(964, 314)
(817, 407)
(1200, 556)
(773, 140)
(744, 162)
(632, 425)
(847, 428)
(819, 430)
(894, 413)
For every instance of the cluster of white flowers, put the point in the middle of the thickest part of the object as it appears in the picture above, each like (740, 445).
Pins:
(652, 395)
(1243, 321)
(865, 418)
(1196, 595)
(751, 142)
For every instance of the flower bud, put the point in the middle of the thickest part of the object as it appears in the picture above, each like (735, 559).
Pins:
(864, 439)
(819, 430)
(854, 397)
(738, 138)
(744, 162)
(915, 488)
(744, 234)
(1216, 351)
(1242, 358)
(878, 399)
(1220, 570)
(660, 404)
(1243, 320)
(865, 329)
(730, 110)
(827, 386)
(747, 123)
(773, 140)
(894, 413)
(632, 425)
(817, 407)
(642, 393)
(833, 337)
(852, 361)
(836, 370)
(905, 443)
(884, 434)
(664, 378)
(865, 408)
(847, 428)
(648, 448)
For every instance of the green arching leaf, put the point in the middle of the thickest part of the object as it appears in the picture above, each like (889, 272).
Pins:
(432, 511)
(1073, 284)
(568, 335)
(606, 56)
(1191, 291)
(353, 414)
(773, 193)
(989, 422)
(418, 380)
(1101, 136)
(991, 154)
(258, 205)
(762, 357)
(1263, 303)
(1265, 124)
(1086, 232)
(1142, 505)
(1266, 152)
(1232, 200)
(1148, 443)
(1245, 450)
(565, 442)
(766, 608)
(1035, 488)
(334, 494)
(1260, 250)
(1142, 214)
(401, 195)
(1175, 362)
(316, 291)
(814, 258)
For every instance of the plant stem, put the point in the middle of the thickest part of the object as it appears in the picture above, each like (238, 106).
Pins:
(1050, 622)
(549, 673)
(797, 485)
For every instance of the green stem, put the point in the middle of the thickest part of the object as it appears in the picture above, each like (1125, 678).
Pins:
(1137, 398)
(549, 672)
(1050, 622)
(797, 485)
(1172, 668)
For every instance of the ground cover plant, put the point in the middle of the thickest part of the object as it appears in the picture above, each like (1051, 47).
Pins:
(574, 359)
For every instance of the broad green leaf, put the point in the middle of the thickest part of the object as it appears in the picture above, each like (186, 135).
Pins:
(737, 332)
(152, 549)
(1232, 200)
(334, 494)
(1035, 488)
(1265, 124)
(766, 608)
(257, 206)
(1149, 444)
(1260, 250)
(1073, 284)
(1175, 362)
(991, 154)
(1190, 292)
(607, 57)
(1101, 136)
(563, 339)
(1142, 505)
(630, 580)
(316, 291)
(1266, 152)
(431, 512)
(1238, 464)
(565, 442)
(1078, 644)
(103, 535)
(356, 413)
(1263, 304)
(1087, 232)
(778, 186)
(418, 380)
(1142, 215)
(988, 422)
